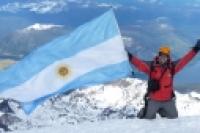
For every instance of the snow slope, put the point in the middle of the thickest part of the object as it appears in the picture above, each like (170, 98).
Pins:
(114, 104)
(181, 125)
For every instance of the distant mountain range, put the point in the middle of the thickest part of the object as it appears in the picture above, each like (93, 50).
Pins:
(20, 43)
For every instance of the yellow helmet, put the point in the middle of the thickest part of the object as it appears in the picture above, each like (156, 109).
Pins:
(164, 50)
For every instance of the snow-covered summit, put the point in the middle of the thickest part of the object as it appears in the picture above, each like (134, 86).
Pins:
(40, 27)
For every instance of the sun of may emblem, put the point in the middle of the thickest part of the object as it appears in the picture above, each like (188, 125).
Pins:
(63, 71)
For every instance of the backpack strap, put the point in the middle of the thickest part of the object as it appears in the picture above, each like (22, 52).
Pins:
(152, 67)
(163, 73)
(173, 74)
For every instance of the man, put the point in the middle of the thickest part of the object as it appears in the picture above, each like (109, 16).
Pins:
(160, 94)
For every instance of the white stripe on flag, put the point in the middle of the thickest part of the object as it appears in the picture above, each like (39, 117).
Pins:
(48, 80)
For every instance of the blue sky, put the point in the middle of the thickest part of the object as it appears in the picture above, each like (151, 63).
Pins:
(178, 17)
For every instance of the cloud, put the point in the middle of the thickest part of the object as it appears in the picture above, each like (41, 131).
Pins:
(56, 6)
(46, 6)
(159, 2)
(196, 5)
(153, 1)
(115, 6)
(128, 41)
(163, 23)
(161, 19)
(10, 7)
(165, 26)
(148, 1)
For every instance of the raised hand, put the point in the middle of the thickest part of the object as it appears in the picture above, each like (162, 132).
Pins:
(197, 46)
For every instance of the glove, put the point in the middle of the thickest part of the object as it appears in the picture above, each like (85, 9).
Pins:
(196, 48)
(129, 56)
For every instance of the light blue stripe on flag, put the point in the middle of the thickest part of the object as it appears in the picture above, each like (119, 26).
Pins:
(92, 54)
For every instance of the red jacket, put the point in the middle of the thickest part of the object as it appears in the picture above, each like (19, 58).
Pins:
(166, 82)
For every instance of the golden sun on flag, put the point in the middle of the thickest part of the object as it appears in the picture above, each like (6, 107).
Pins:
(63, 71)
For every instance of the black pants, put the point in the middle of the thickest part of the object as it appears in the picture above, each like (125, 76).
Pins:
(165, 109)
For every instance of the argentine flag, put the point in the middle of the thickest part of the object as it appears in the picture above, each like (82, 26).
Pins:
(93, 54)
